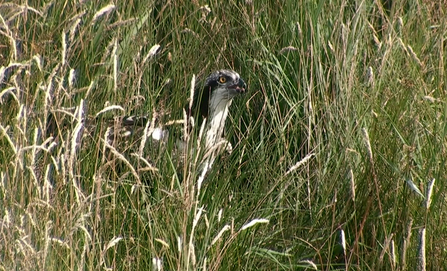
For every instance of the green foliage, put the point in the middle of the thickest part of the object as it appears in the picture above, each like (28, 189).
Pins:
(339, 145)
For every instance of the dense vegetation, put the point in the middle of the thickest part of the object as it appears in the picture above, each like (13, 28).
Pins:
(339, 146)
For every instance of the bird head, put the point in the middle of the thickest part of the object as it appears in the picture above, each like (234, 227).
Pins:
(219, 87)
(225, 83)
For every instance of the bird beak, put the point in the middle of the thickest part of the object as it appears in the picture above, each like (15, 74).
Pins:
(239, 87)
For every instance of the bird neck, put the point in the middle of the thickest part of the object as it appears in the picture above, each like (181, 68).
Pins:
(216, 123)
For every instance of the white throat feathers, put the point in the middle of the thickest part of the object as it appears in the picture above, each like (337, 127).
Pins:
(212, 103)
(218, 113)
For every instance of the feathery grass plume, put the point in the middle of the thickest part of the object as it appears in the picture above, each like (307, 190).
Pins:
(370, 77)
(3, 190)
(80, 224)
(78, 130)
(201, 178)
(9, 91)
(205, 10)
(399, 26)
(4, 72)
(352, 184)
(164, 243)
(12, 41)
(414, 56)
(429, 194)
(179, 244)
(38, 59)
(89, 89)
(48, 101)
(115, 240)
(115, 64)
(61, 242)
(331, 47)
(300, 163)
(47, 186)
(106, 137)
(288, 49)
(219, 215)
(375, 36)
(254, 222)
(25, 247)
(27, 8)
(62, 157)
(194, 225)
(368, 145)
(72, 78)
(79, 196)
(393, 254)
(2, 76)
(148, 130)
(430, 99)
(105, 10)
(84, 254)
(47, 238)
(205, 262)
(192, 256)
(28, 219)
(299, 31)
(7, 216)
(193, 86)
(75, 26)
(107, 54)
(403, 45)
(219, 235)
(76, 137)
(152, 52)
(64, 48)
(109, 108)
(422, 264)
(343, 241)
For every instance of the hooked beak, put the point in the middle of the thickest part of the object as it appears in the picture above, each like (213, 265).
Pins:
(239, 87)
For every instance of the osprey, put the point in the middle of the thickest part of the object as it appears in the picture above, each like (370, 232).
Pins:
(210, 106)
(211, 102)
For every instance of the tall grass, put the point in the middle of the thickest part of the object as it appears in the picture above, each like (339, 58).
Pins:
(339, 145)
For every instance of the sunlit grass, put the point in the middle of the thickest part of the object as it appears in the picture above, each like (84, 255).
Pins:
(338, 146)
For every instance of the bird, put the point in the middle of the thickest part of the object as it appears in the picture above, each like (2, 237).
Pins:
(213, 103)
(209, 108)
(205, 113)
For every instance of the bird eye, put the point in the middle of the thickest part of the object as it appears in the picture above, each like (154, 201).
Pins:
(222, 79)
